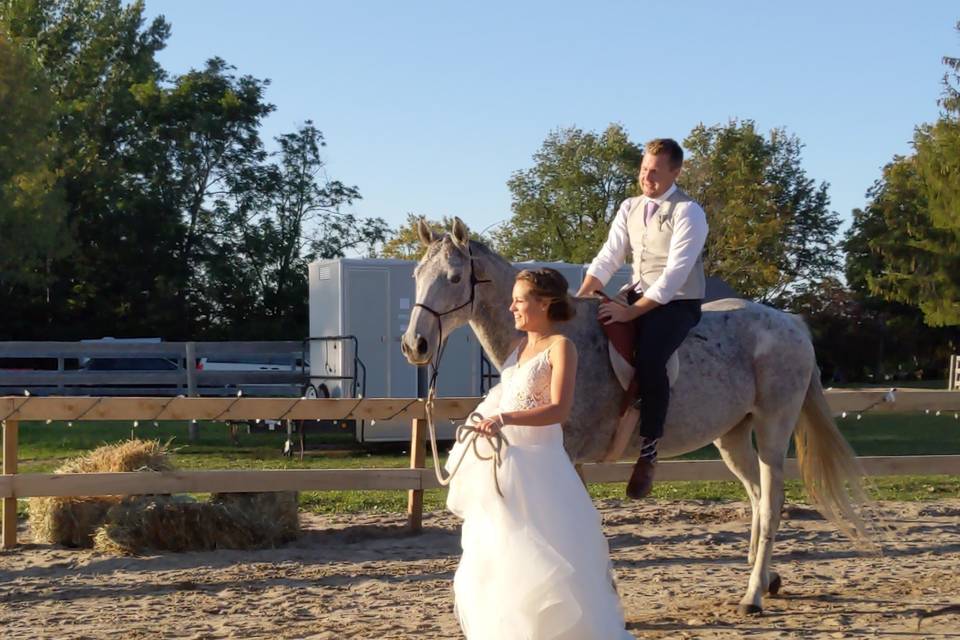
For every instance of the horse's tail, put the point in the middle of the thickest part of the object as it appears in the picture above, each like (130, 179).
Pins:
(828, 466)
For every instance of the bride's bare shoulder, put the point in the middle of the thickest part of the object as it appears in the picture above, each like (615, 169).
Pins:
(561, 347)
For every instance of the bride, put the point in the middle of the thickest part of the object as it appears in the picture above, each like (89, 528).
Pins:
(535, 563)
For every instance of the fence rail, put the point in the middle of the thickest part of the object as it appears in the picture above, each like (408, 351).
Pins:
(104, 484)
(415, 480)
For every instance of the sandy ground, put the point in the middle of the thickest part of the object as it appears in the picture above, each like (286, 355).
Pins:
(681, 569)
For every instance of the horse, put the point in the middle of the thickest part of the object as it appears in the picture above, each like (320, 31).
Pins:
(747, 372)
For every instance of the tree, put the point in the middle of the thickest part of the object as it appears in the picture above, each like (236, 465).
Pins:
(279, 217)
(905, 244)
(93, 53)
(167, 186)
(204, 141)
(32, 205)
(564, 204)
(862, 338)
(770, 225)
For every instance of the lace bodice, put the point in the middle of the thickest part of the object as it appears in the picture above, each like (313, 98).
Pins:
(526, 385)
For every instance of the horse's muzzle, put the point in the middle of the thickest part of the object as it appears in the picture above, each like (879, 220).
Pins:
(417, 354)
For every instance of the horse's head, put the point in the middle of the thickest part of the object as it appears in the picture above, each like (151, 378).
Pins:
(446, 281)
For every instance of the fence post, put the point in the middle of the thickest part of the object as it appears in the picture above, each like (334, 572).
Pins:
(10, 433)
(193, 430)
(418, 452)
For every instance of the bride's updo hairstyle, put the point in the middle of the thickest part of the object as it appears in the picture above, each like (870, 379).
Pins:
(549, 284)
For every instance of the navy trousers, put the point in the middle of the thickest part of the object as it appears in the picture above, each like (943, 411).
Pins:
(659, 333)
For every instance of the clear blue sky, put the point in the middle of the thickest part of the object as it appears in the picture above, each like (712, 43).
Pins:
(428, 107)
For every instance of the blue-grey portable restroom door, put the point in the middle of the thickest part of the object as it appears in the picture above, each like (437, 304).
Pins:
(328, 357)
(366, 316)
(403, 375)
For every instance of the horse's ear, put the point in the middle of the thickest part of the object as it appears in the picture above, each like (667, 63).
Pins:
(460, 233)
(425, 232)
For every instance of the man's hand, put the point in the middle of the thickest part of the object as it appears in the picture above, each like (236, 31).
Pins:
(611, 312)
(588, 286)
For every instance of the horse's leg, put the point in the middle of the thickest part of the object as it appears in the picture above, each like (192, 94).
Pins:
(618, 444)
(736, 449)
(773, 437)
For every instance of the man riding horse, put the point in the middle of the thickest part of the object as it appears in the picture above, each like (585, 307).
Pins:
(665, 230)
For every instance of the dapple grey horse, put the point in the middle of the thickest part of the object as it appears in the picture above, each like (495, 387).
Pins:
(746, 371)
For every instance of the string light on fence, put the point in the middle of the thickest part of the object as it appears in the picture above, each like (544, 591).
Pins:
(891, 397)
(229, 406)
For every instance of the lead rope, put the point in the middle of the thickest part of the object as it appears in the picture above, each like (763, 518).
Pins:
(470, 435)
(465, 432)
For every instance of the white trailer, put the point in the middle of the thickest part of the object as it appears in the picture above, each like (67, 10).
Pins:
(359, 309)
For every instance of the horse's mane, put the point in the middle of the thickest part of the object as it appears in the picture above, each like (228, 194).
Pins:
(477, 247)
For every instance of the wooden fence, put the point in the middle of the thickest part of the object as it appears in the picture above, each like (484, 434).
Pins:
(415, 480)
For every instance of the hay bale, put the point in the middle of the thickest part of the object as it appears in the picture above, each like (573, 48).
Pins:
(275, 515)
(67, 521)
(73, 521)
(227, 521)
(129, 455)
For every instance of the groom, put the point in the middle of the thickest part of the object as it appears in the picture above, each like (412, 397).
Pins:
(664, 230)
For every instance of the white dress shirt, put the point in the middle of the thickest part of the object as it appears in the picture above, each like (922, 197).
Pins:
(686, 243)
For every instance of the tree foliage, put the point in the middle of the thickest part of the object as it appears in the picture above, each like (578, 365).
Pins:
(162, 177)
(770, 225)
(904, 246)
(277, 218)
(563, 205)
(32, 205)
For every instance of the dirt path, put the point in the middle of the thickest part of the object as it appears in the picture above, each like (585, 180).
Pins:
(681, 569)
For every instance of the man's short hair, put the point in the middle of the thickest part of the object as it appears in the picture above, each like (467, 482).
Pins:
(669, 146)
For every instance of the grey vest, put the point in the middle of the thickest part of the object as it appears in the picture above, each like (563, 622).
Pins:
(651, 245)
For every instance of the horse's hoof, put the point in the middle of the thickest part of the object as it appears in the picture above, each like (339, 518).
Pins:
(750, 609)
(775, 583)
(641, 479)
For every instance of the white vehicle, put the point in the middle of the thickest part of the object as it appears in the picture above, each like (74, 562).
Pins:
(266, 363)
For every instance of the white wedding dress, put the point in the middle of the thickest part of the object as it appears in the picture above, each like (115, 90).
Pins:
(535, 564)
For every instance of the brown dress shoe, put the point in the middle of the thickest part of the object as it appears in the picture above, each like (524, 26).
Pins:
(641, 480)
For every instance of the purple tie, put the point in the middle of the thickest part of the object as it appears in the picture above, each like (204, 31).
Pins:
(648, 210)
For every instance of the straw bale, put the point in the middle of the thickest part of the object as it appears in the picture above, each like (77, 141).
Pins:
(226, 521)
(128, 455)
(72, 521)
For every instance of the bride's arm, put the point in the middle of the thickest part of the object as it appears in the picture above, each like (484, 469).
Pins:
(563, 361)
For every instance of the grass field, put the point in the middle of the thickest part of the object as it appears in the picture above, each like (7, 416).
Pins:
(43, 447)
